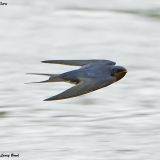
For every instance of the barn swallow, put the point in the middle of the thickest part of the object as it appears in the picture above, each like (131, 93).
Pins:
(92, 75)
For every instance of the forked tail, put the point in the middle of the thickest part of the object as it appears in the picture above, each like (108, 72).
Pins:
(52, 78)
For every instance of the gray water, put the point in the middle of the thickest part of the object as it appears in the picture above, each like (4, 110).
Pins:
(119, 122)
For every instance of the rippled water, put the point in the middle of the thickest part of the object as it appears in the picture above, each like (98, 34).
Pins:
(118, 122)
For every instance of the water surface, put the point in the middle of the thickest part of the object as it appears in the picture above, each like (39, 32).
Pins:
(118, 122)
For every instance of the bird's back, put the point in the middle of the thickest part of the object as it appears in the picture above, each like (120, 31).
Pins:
(98, 70)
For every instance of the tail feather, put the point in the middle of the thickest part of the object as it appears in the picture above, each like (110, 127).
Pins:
(52, 78)
(43, 74)
(38, 82)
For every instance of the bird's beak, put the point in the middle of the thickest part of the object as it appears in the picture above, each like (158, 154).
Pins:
(120, 75)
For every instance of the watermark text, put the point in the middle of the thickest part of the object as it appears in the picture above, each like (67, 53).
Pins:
(3, 3)
(8, 155)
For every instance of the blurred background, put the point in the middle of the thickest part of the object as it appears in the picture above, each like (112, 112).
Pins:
(117, 122)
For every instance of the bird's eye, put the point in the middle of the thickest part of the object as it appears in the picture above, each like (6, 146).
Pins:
(116, 70)
(119, 70)
(113, 71)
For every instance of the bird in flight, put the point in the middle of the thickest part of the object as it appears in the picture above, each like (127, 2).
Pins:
(92, 75)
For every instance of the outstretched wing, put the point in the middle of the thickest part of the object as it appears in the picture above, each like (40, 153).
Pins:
(77, 62)
(86, 86)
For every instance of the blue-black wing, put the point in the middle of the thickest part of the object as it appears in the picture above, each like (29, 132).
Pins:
(85, 86)
(78, 62)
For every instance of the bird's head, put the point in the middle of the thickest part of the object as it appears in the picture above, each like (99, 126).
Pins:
(118, 72)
